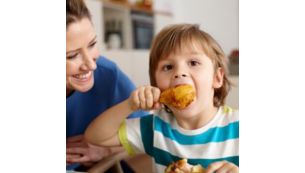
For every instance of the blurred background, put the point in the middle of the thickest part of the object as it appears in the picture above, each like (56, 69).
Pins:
(125, 29)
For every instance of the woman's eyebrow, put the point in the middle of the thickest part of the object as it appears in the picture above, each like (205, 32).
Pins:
(93, 40)
(71, 51)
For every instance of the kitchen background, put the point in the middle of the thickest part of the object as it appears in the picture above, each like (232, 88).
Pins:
(126, 27)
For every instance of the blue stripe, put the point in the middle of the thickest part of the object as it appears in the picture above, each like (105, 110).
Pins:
(146, 126)
(216, 134)
(165, 158)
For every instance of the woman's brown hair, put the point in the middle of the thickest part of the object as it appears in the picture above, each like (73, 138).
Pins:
(75, 11)
(171, 38)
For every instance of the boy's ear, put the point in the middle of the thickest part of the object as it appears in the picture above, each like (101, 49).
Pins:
(218, 78)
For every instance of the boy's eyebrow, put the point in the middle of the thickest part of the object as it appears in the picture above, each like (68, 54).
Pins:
(71, 51)
(194, 52)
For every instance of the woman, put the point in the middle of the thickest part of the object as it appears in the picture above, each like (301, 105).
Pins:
(93, 84)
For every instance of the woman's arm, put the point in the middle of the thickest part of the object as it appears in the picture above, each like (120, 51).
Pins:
(78, 151)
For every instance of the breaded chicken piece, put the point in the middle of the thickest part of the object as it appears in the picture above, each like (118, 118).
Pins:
(181, 166)
(179, 97)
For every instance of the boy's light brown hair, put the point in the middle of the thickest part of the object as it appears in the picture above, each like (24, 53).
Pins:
(170, 40)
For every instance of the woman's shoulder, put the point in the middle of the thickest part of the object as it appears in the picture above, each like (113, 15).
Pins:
(106, 68)
(105, 63)
(108, 73)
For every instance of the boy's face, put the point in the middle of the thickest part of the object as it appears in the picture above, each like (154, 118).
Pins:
(193, 67)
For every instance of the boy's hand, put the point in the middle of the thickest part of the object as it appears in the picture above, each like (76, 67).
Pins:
(222, 167)
(146, 98)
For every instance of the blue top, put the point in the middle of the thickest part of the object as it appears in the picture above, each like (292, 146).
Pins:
(111, 86)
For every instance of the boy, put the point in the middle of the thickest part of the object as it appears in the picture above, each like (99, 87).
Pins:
(204, 132)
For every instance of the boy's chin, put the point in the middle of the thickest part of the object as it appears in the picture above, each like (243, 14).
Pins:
(186, 112)
(190, 107)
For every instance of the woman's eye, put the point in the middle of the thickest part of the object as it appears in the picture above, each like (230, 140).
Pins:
(167, 67)
(72, 56)
(92, 44)
(194, 63)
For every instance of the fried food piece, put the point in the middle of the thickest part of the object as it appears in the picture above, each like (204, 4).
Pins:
(181, 166)
(179, 97)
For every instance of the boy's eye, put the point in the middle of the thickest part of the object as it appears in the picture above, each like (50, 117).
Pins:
(194, 63)
(167, 67)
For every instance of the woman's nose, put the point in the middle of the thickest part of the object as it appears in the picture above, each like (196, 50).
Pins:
(89, 62)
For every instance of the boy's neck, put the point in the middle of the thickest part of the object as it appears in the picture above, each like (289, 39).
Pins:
(199, 120)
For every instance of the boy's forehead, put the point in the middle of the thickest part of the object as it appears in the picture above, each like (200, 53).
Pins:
(186, 49)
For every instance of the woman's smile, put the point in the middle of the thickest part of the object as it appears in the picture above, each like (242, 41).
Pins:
(84, 77)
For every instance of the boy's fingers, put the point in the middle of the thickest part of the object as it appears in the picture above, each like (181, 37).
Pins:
(156, 94)
(225, 168)
(135, 100)
(149, 97)
(157, 106)
(215, 166)
(142, 97)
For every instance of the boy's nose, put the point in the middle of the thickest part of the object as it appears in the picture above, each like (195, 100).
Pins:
(180, 75)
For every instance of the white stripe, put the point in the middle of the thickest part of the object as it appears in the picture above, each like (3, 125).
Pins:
(221, 119)
(227, 118)
(210, 150)
(134, 134)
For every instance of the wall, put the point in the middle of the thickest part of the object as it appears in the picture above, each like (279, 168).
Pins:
(133, 63)
(218, 17)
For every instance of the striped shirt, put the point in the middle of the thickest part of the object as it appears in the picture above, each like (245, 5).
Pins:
(161, 137)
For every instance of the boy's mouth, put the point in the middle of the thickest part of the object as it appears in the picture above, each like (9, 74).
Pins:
(179, 97)
(180, 84)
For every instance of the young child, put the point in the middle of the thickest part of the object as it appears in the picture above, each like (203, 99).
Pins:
(205, 132)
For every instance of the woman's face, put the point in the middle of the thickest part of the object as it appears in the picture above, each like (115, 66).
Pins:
(81, 54)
